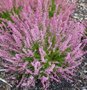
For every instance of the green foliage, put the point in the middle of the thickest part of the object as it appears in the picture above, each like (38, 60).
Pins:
(17, 10)
(35, 49)
(42, 74)
(7, 14)
(45, 65)
(68, 49)
(37, 55)
(46, 42)
(56, 56)
(52, 9)
(35, 46)
(53, 56)
(53, 40)
(29, 59)
(31, 67)
(13, 53)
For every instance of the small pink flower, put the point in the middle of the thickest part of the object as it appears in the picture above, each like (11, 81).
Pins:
(42, 53)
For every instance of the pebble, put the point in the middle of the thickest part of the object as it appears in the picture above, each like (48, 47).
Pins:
(81, 11)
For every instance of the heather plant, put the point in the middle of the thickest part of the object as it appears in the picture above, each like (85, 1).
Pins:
(43, 43)
(7, 5)
(8, 13)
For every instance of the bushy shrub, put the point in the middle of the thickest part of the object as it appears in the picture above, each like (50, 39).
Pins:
(43, 43)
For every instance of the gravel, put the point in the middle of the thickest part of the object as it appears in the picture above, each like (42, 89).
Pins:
(81, 11)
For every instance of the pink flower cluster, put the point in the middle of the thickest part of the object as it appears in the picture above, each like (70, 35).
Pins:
(40, 45)
(7, 5)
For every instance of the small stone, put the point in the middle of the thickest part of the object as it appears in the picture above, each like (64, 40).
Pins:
(84, 88)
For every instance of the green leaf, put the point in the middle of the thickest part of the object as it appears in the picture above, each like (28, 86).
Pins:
(31, 67)
(29, 59)
(45, 65)
(35, 49)
(13, 53)
(19, 76)
(56, 56)
(53, 40)
(17, 10)
(35, 46)
(68, 49)
(52, 9)
(42, 74)
(59, 64)
(37, 55)
(5, 15)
